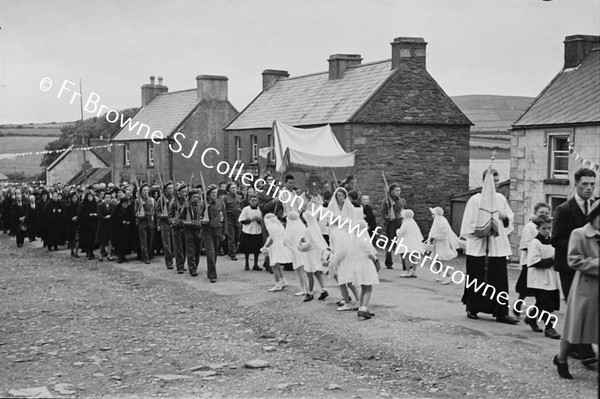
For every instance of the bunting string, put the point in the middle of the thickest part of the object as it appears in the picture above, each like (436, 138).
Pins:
(586, 163)
(24, 154)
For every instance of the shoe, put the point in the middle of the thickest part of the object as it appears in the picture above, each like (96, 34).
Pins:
(170, 267)
(268, 269)
(323, 296)
(256, 268)
(308, 297)
(213, 280)
(516, 313)
(184, 269)
(76, 255)
(247, 267)
(341, 302)
(300, 293)
(590, 364)
(533, 324)
(447, 281)
(119, 260)
(345, 308)
(234, 258)
(276, 287)
(180, 271)
(389, 267)
(364, 314)
(551, 333)
(562, 368)
(472, 315)
(147, 261)
(194, 274)
(109, 258)
(507, 320)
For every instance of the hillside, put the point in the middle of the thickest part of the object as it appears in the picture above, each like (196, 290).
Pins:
(492, 113)
(33, 129)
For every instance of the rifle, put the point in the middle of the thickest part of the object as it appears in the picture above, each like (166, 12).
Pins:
(391, 213)
(205, 218)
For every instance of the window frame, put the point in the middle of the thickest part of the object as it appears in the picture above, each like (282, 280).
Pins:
(254, 149)
(552, 153)
(126, 155)
(551, 197)
(238, 148)
(150, 154)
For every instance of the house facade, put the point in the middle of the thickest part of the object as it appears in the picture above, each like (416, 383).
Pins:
(167, 136)
(391, 112)
(557, 133)
(75, 161)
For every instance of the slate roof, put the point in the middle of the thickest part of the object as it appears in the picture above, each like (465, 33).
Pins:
(103, 154)
(164, 113)
(314, 99)
(3, 176)
(491, 113)
(572, 97)
(92, 175)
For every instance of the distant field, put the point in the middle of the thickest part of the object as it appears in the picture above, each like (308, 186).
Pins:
(4, 131)
(28, 164)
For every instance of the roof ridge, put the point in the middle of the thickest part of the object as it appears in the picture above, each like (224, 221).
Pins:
(174, 92)
(327, 72)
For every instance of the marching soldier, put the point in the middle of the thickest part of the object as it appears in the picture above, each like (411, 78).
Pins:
(191, 218)
(178, 234)
(214, 226)
(162, 216)
(144, 212)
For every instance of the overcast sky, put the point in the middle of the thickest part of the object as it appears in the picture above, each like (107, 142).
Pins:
(502, 47)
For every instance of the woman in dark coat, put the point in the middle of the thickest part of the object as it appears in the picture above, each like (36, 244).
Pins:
(40, 205)
(105, 213)
(86, 216)
(123, 229)
(32, 218)
(71, 221)
(53, 220)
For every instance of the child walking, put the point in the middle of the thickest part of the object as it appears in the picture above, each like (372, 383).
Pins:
(294, 232)
(251, 238)
(314, 246)
(276, 249)
(541, 276)
(410, 236)
(529, 233)
(443, 240)
(364, 256)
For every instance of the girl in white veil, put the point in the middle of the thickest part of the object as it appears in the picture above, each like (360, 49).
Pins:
(276, 249)
(294, 232)
(314, 245)
(341, 242)
(443, 239)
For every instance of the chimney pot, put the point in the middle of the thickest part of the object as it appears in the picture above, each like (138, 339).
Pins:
(149, 91)
(160, 79)
(211, 87)
(270, 76)
(338, 63)
(409, 52)
(152, 80)
(577, 47)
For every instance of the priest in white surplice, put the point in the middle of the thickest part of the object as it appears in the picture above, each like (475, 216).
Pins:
(486, 224)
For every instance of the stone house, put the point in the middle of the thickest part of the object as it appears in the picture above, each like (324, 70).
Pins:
(168, 135)
(562, 122)
(75, 162)
(391, 112)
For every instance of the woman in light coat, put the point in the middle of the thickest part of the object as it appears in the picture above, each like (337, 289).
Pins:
(581, 319)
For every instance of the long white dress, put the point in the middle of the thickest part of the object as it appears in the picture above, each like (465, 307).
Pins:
(341, 239)
(365, 272)
(294, 232)
(409, 235)
(315, 245)
(278, 252)
(446, 242)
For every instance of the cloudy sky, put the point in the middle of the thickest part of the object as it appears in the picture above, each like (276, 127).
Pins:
(503, 47)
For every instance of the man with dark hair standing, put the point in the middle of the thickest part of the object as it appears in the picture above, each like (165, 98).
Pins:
(569, 216)
(175, 208)
(391, 207)
(162, 216)
(213, 230)
(144, 213)
(191, 217)
(233, 208)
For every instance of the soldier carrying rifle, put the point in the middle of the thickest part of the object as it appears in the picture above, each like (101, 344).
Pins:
(391, 208)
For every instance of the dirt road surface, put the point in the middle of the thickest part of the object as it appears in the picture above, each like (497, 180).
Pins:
(77, 328)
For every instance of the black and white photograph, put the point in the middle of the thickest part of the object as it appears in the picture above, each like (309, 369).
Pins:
(299, 199)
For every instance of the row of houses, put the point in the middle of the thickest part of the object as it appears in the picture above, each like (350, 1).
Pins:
(391, 112)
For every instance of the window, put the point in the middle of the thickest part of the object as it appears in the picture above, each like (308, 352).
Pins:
(554, 201)
(254, 142)
(238, 148)
(150, 153)
(559, 156)
(126, 160)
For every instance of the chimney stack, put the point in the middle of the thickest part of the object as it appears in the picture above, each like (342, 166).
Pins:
(270, 76)
(408, 53)
(149, 91)
(338, 63)
(211, 87)
(577, 47)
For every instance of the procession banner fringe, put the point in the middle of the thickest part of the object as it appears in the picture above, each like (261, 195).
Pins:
(586, 163)
(24, 154)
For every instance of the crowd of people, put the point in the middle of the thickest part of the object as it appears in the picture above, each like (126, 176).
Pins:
(182, 223)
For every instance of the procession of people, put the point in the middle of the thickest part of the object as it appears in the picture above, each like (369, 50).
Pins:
(181, 223)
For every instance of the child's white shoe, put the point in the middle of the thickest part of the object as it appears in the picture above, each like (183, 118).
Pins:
(300, 293)
(276, 287)
(344, 308)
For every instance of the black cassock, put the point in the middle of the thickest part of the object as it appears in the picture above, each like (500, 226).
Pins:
(121, 232)
(53, 221)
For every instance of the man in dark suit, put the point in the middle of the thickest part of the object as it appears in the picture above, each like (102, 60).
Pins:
(569, 216)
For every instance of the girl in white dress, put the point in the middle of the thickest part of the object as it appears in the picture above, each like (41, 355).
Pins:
(294, 233)
(276, 249)
(340, 240)
(410, 236)
(314, 246)
(443, 240)
(363, 255)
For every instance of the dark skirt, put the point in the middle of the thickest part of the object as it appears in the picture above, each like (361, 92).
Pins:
(496, 277)
(521, 286)
(250, 243)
